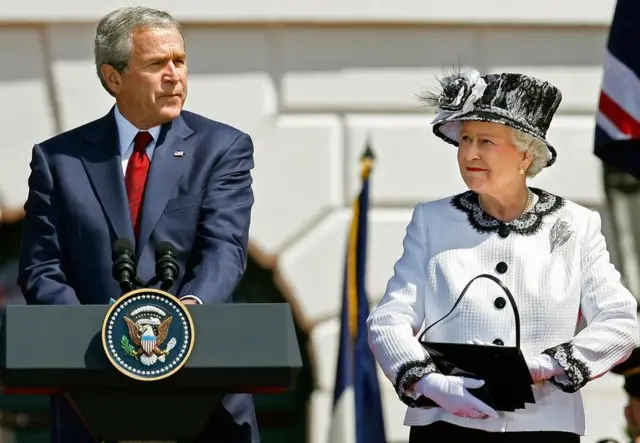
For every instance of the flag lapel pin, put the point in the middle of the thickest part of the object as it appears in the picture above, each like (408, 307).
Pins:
(178, 153)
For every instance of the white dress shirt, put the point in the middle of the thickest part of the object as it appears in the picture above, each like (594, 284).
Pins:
(126, 135)
(555, 262)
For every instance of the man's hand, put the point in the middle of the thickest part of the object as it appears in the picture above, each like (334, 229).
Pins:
(11, 215)
(189, 301)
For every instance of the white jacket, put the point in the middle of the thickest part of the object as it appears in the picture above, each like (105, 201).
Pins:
(555, 262)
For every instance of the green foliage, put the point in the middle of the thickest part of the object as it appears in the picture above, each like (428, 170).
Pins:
(127, 347)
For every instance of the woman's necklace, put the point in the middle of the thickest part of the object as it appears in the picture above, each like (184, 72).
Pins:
(527, 207)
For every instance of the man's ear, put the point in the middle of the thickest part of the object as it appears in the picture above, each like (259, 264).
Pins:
(627, 413)
(112, 78)
(632, 425)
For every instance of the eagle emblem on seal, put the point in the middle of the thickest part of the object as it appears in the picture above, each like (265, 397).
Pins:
(148, 329)
(147, 334)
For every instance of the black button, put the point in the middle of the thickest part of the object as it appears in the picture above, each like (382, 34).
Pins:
(503, 230)
(502, 267)
(500, 303)
(498, 342)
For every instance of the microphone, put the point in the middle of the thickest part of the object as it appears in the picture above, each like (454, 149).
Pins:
(167, 268)
(124, 268)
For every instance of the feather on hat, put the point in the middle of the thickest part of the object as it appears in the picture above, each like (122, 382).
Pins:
(522, 102)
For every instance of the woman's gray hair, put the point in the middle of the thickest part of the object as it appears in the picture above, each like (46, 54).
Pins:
(114, 33)
(535, 149)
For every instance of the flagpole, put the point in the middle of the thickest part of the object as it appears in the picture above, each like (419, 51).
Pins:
(357, 407)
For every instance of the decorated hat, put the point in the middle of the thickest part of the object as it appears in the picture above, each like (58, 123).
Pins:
(630, 370)
(516, 100)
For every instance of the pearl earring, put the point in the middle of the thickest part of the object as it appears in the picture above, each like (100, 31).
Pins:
(521, 170)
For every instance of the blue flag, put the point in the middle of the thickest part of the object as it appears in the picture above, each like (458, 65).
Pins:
(617, 134)
(357, 406)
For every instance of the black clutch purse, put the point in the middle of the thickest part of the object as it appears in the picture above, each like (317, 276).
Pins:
(508, 383)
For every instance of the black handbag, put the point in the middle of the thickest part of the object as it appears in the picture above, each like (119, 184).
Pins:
(508, 383)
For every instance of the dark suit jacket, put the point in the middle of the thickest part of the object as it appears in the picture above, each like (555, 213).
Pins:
(200, 201)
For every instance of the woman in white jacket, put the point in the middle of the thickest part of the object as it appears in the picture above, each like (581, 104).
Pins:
(548, 251)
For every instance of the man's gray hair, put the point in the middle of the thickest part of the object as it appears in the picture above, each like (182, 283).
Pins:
(114, 33)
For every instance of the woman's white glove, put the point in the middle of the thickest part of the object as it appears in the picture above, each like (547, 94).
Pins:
(543, 367)
(450, 393)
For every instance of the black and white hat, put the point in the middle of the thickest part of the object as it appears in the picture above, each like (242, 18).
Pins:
(516, 100)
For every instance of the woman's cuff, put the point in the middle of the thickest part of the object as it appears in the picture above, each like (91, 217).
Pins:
(408, 375)
(576, 373)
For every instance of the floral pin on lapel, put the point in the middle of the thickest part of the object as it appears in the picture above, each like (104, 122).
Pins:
(559, 234)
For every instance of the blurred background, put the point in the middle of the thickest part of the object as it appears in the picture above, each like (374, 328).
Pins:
(312, 82)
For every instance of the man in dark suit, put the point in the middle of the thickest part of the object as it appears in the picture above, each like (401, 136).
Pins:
(149, 172)
(630, 370)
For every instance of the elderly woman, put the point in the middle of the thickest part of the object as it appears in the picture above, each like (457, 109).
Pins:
(548, 251)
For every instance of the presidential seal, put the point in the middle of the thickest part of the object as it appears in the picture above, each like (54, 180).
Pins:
(147, 334)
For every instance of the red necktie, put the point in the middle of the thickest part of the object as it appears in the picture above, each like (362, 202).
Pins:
(136, 177)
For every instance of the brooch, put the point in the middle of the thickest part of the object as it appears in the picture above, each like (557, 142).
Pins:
(559, 234)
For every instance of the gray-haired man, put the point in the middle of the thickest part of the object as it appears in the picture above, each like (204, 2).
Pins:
(120, 177)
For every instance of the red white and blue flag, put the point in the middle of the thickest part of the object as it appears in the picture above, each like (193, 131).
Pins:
(617, 136)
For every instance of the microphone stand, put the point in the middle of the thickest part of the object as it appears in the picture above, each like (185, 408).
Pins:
(125, 272)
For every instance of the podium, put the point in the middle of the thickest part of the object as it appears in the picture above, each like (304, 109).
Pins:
(238, 348)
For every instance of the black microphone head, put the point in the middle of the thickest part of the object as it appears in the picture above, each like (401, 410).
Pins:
(165, 248)
(122, 246)
(167, 268)
(124, 268)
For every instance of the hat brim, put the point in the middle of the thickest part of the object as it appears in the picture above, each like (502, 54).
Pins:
(447, 128)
